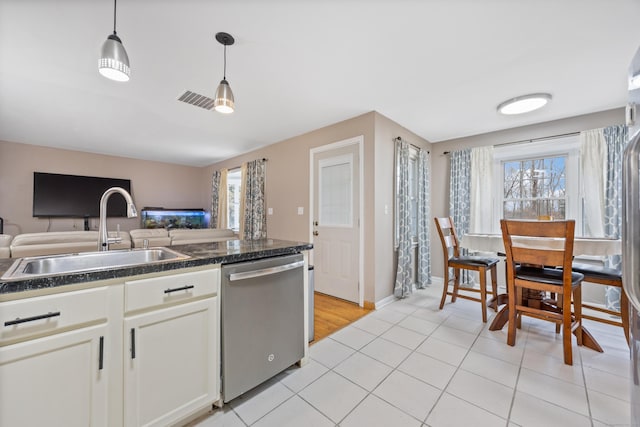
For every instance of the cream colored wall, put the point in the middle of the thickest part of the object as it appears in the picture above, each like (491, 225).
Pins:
(386, 131)
(440, 162)
(152, 184)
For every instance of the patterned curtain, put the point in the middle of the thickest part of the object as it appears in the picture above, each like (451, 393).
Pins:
(424, 257)
(403, 284)
(215, 199)
(459, 198)
(255, 219)
(616, 139)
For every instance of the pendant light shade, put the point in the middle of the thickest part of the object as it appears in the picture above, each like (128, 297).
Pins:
(114, 61)
(224, 102)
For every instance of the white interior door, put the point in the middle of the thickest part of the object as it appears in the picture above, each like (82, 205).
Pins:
(336, 220)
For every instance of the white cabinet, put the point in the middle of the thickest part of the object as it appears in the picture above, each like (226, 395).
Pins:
(171, 350)
(53, 366)
(137, 352)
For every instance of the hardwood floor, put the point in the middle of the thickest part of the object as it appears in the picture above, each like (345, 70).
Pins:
(331, 314)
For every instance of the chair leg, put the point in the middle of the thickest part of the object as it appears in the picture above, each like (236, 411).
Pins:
(624, 313)
(559, 301)
(456, 284)
(445, 286)
(577, 312)
(494, 285)
(566, 329)
(519, 300)
(511, 332)
(483, 293)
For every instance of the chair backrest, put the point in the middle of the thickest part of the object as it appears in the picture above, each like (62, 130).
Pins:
(448, 237)
(548, 243)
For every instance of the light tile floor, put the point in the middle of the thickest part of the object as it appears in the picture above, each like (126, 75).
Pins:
(411, 364)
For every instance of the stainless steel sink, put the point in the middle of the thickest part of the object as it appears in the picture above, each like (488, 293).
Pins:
(30, 267)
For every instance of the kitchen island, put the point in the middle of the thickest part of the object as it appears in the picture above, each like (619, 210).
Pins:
(127, 346)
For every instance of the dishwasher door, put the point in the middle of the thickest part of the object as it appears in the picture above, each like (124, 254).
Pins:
(262, 310)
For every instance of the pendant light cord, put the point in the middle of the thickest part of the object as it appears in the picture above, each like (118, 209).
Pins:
(224, 72)
(114, 16)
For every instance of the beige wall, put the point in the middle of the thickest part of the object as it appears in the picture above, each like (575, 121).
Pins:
(440, 162)
(152, 184)
(287, 188)
(385, 256)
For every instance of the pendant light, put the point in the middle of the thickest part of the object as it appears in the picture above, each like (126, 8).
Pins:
(114, 61)
(224, 102)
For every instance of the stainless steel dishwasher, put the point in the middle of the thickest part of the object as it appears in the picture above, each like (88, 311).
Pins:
(262, 312)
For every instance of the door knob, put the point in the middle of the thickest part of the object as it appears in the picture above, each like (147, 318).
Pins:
(315, 233)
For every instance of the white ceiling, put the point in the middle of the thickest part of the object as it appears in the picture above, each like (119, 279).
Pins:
(436, 67)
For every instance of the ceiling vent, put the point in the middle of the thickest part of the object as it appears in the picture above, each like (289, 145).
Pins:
(197, 100)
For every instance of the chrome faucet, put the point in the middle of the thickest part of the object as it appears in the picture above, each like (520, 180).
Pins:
(103, 237)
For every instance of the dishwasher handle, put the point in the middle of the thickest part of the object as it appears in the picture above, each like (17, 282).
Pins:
(265, 271)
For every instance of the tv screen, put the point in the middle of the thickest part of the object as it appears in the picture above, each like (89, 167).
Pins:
(76, 196)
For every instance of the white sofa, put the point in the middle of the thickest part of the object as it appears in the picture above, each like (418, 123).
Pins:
(179, 236)
(5, 245)
(205, 235)
(62, 242)
(154, 236)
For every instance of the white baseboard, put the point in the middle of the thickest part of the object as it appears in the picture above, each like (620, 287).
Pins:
(385, 301)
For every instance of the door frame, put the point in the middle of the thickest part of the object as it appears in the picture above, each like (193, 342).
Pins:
(359, 141)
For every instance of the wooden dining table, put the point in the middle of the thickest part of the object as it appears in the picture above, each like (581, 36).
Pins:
(581, 246)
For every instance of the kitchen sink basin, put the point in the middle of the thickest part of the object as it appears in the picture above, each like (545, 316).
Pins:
(30, 267)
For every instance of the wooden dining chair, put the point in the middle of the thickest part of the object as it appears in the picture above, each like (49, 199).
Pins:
(534, 268)
(453, 260)
(607, 277)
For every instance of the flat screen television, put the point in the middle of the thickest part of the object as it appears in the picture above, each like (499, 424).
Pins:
(75, 196)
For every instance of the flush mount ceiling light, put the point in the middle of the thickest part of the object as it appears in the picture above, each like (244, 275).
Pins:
(524, 104)
(114, 61)
(224, 102)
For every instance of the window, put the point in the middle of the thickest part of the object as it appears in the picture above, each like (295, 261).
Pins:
(536, 179)
(534, 187)
(234, 188)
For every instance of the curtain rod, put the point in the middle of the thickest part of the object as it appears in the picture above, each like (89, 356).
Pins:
(397, 138)
(527, 141)
(264, 159)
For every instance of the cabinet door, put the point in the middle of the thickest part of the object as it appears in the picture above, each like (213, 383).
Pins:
(56, 380)
(171, 362)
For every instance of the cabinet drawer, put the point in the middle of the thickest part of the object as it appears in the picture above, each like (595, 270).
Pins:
(44, 315)
(157, 291)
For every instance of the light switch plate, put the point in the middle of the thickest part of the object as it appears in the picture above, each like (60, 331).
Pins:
(269, 211)
(300, 210)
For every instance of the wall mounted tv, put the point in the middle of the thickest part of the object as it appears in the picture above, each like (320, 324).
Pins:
(74, 196)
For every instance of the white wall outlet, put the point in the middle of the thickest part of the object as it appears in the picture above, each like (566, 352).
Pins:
(269, 211)
(300, 210)
(386, 209)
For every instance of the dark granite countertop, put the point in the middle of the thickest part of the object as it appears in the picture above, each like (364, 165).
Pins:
(200, 254)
